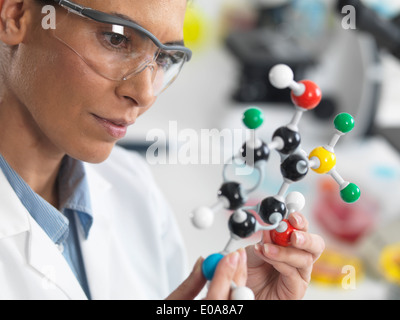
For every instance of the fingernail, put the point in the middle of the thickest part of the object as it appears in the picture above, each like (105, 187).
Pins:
(299, 238)
(298, 218)
(270, 249)
(197, 266)
(233, 259)
(199, 262)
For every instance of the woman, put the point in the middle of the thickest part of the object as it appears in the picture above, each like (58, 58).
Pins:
(80, 217)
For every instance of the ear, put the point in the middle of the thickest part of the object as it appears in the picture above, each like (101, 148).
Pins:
(13, 21)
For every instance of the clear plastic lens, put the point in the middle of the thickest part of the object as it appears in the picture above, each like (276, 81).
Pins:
(117, 52)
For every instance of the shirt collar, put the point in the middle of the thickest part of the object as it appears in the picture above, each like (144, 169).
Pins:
(74, 192)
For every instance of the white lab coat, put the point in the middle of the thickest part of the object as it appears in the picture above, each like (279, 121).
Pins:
(134, 249)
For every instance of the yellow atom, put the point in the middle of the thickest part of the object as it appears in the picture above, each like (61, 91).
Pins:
(326, 158)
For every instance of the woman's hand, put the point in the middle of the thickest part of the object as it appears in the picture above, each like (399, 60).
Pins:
(272, 272)
(233, 267)
(276, 272)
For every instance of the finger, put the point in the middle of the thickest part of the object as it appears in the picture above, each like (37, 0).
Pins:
(298, 221)
(253, 260)
(293, 284)
(268, 256)
(294, 267)
(192, 286)
(292, 257)
(305, 250)
(311, 243)
(240, 277)
(226, 272)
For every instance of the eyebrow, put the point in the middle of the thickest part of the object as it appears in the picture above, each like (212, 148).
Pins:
(122, 16)
(125, 17)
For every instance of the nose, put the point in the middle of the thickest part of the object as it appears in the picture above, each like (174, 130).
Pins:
(139, 88)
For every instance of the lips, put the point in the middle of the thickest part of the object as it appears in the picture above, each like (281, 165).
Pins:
(117, 128)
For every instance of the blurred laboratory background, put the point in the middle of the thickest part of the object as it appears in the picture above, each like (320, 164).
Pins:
(356, 64)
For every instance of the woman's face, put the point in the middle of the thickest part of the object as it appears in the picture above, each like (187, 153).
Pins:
(70, 106)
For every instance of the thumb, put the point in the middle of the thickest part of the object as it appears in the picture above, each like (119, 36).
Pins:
(192, 286)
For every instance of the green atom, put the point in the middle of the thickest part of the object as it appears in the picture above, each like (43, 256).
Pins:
(344, 122)
(351, 193)
(253, 118)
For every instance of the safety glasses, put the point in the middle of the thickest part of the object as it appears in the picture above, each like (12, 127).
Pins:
(117, 48)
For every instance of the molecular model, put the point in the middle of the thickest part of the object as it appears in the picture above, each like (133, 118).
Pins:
(274, 211)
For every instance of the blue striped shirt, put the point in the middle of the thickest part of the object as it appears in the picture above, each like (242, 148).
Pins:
(60, 225)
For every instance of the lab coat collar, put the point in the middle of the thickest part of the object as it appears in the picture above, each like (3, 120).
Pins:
(40, 252)
(45, 257)
(13, 215)
(95, 250)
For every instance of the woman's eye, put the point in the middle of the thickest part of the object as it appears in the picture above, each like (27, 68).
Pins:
(164, 59)
(116, 40)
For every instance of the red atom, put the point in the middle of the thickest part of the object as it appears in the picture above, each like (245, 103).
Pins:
(310, 98)
(282, 238)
